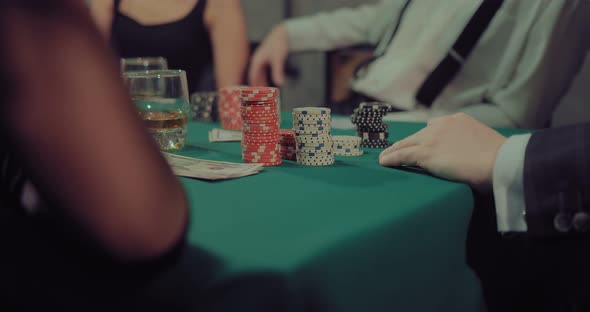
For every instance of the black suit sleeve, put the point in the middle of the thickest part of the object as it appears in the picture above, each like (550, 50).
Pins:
(557, 182)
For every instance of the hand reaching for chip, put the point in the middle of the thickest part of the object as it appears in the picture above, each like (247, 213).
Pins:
(272, 53)
(456, 147)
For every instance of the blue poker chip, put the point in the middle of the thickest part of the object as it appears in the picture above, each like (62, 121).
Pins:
(312, 111)
(312, 154)
(304, 128)
(313, 123)
(315, 148)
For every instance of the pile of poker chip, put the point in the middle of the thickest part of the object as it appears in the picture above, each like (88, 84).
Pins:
(288, 144)
(368, 118)
(229, 108)
(347, 145)
(260, 126)
(204, 106)
(311, 126)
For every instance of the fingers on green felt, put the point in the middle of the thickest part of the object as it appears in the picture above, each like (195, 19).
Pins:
(412, 140)
(405, 156)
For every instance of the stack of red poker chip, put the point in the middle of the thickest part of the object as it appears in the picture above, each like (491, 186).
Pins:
(229, 108)
(288, 144)
(260, 126)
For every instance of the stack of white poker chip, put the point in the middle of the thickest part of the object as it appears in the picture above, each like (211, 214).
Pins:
(347, 145)
(311, 126)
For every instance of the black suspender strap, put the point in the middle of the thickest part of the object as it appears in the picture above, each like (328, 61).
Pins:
(456, 57)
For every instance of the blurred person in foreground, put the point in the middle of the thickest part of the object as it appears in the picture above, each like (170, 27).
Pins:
(193, 35)
(524, 55)
(91, 215)
(541, 189)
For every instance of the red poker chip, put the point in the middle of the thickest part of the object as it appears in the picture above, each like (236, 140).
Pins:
(255, 144)
(263, 127)
(258, 103)
(256, 117)
(260, 123)
(259, 116)
(260, 112)
(259, 108)
(257, 148)
(261, 155)
(257, 126)
(259, 99)
(260, 140)
(257, 90)
(260, 152)
(263, 160)
(265, 145)
(261, 132)
(256, 122)
(273, 164)
(271, 124)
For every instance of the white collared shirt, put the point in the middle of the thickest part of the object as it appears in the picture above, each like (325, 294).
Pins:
(515, 76)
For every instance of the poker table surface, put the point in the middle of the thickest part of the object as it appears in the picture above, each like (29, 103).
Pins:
(353, 236)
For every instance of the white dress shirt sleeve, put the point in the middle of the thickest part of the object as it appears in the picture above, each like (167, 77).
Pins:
(508, 184)
(326, 31)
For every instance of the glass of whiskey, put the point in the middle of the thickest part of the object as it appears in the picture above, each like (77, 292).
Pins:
(161, 98)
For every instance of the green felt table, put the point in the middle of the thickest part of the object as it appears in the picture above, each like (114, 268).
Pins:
(354, 236)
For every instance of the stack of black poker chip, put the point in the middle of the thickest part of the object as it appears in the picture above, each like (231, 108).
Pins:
(204, 106)
(368, 118)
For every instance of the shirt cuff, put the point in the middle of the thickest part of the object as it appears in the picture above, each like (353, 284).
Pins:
(508, 184)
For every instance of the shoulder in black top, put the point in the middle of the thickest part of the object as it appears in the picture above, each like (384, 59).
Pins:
(184, 43)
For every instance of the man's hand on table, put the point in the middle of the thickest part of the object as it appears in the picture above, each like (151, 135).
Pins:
(456, 147)
(272, 52)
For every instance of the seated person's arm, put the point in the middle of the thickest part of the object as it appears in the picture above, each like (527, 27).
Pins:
(79, 136)
(324, 31)
(543, 175)
(227, 27)
(332, 30)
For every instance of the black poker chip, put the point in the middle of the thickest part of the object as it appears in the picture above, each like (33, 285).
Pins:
(366, 120)
(375, 143)
(383, 146)
(373, 128)
(371, 111)
(370, 115)
(374, 135)
(375, 106)
(365, 124)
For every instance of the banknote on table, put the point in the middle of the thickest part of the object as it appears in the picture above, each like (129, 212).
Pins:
(221, 135)
(209, 169)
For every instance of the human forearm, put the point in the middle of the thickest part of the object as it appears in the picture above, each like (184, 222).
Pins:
(332, 30)
(227, 27)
